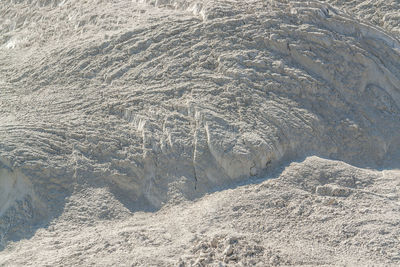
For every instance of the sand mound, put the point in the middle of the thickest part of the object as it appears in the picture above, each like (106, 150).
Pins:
(160, 102)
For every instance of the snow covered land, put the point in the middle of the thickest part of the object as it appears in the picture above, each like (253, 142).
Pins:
(199, 133)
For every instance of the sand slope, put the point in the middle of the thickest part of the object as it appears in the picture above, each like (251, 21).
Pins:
(113, 112)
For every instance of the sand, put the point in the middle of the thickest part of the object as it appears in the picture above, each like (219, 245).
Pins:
(199, 133)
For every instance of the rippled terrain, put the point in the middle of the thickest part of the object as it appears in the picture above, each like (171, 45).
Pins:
(196, 133)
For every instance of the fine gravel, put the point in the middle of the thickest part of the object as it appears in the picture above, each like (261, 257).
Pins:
(199, 133)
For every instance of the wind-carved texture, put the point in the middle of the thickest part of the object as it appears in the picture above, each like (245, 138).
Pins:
(164, 104)
(380, 13)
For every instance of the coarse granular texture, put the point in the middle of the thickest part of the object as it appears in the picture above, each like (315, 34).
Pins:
(196, 133)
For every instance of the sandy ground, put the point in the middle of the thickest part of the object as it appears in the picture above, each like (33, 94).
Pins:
(316, 212)
(199, 133)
